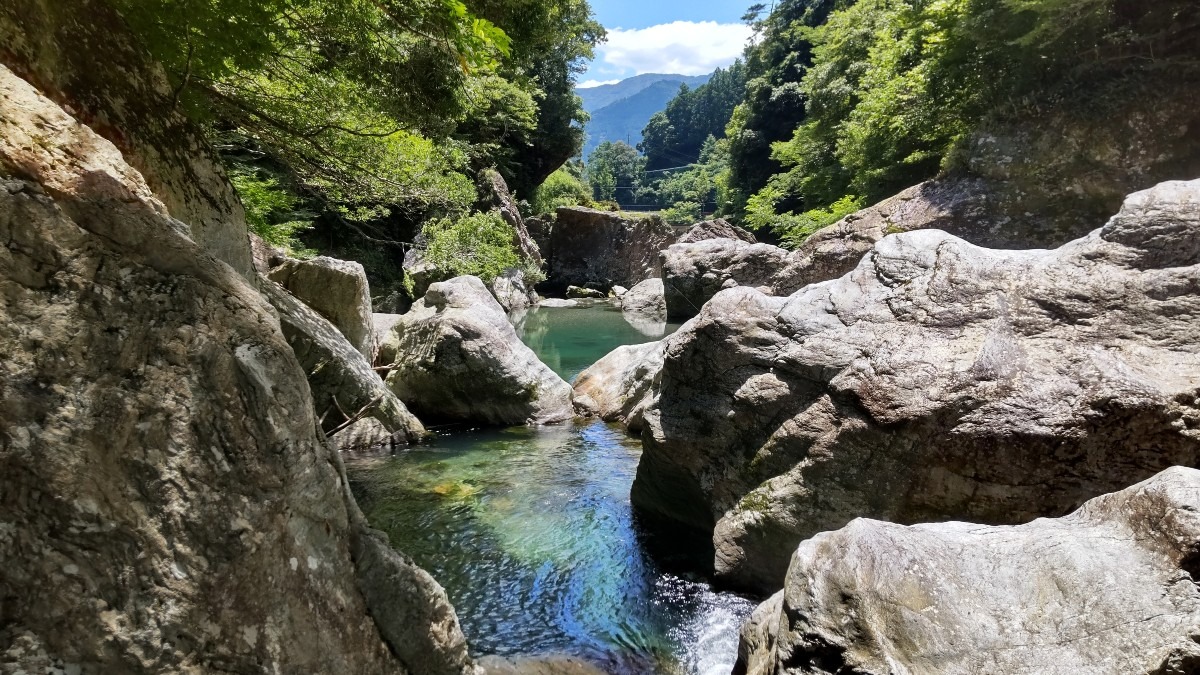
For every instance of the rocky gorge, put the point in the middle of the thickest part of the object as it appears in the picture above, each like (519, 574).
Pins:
(925, 442)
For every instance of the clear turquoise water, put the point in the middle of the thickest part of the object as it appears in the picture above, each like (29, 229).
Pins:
(530, 530)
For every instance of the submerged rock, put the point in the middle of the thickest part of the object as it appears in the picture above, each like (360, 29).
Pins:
(168, 502)
(620, 386)
(337, 290)
(693, 273)
(456, 356)
(937, 380)
(578, 293)
(558, 303)
(1111, 588)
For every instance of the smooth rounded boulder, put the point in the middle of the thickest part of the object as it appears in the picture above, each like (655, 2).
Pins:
(455, 356)
(692, 273)
(1111, 588)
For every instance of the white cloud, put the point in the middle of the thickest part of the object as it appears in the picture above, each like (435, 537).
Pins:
(682, 47)
(588, 84)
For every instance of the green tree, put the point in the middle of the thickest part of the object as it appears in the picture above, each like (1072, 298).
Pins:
(615, 171)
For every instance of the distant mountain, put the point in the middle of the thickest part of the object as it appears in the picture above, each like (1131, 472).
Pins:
(620, 111)
(595, 98)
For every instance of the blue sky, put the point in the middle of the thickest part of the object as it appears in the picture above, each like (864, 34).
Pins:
(690, 37)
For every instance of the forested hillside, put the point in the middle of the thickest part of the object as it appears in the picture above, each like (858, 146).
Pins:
(847, 103)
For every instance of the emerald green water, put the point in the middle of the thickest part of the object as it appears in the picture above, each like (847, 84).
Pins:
(530, 531)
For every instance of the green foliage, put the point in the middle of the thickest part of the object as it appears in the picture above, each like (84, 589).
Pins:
(683, 213)
(791, 228)
(615, 171)
(676, 135)
(480, 244)
(273, 213)
(560, 189)
(891, 87)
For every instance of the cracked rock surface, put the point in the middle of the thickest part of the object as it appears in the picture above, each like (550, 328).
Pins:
(1109, 589)
(937, 380)
(167, 503)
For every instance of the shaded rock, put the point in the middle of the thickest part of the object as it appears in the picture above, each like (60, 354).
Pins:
(937, 380)
(646, 298)
(337, 290)
(510, 291)
(497, 196)
(381, 325)
(1110, 588)
(716, 229)
(577, 293)
(342, 380)
(456, 356)
(265, 255)
(419, 271)
(365, 434)
(620, 386)
(130, 103)
(168, 503)
(693, 273)
(590, 246)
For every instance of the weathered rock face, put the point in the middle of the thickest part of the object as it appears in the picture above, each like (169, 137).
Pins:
(160, 464)
(456, 356)
(511, 292)
(1111, 588)
(716, 229)
(620, 386)
(497, 196)
(130, 103)
(344, 385)
(337, 290)
(937, 380)
(599, 247)
(694, 273)
(646, 298)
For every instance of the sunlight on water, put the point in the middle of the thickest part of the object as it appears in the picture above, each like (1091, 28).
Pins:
(531, 532)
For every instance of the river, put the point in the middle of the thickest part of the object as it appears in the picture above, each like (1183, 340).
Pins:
(531, 532)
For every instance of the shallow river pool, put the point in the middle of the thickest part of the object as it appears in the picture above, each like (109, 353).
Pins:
(531, 531)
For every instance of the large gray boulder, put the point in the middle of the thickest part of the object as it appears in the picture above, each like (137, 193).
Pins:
(693, 273)
(345, 387)
(602, 248)
(620, 386)
(337, 290)
(1112, 588)
(456, 356)
(646, 298)
(169, 504)
(937, 380)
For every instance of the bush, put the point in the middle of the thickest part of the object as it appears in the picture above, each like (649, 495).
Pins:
(794, 229)
(683, 213)
(480, 244)
(272, 212)
(560, 189)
